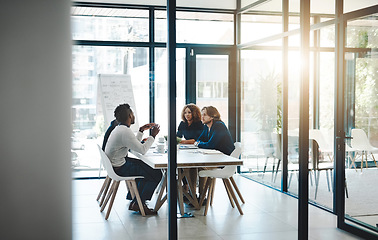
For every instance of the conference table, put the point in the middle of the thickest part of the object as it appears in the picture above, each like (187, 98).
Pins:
(187, 157)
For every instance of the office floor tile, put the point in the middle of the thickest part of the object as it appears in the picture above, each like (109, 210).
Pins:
(268, 214)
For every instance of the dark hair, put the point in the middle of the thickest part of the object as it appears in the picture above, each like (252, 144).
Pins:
(212, 112)
(122, 112)
(196, 113)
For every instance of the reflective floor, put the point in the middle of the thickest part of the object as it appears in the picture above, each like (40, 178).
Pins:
(268, 214)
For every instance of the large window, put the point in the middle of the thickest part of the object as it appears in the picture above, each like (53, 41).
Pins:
(109, 24)
(197, 27)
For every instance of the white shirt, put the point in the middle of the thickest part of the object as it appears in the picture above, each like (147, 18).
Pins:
(122, 139)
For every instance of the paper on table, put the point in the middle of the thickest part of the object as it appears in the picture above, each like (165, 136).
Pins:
(209, 151)
(187, 146)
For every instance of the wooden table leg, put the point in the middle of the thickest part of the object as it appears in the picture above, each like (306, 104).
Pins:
(160, 201)
(192, 196)
(180, 192)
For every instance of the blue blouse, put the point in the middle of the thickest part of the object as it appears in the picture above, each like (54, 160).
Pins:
(190, 132)
(218, 138)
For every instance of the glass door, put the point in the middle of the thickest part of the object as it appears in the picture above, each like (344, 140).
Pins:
(361, 98)
(211, 74)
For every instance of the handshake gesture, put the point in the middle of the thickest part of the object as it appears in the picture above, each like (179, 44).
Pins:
(155, 128)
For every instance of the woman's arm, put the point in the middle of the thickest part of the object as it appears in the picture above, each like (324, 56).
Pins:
(188, 141)
(217, 135)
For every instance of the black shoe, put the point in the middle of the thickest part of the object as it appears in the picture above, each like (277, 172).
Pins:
(134, 207)
(148, 211)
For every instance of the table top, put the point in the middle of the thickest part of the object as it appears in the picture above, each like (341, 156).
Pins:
(188, 158)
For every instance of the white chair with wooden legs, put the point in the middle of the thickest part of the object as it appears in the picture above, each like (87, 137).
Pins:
(104, 190)
(226, 174)
(111, 194)
(360, 143)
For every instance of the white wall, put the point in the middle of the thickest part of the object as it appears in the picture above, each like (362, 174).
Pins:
(35, 123)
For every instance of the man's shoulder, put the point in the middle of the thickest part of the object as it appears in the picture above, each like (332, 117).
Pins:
(122, 128)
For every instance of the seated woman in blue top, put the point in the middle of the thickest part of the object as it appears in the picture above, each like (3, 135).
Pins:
(191, 126)
(215, 135)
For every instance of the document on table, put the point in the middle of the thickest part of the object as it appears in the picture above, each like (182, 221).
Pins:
(208, 151)
(187, 146)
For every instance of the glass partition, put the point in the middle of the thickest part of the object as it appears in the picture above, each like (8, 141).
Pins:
(161, 87)
(362, 120)
(261, 114)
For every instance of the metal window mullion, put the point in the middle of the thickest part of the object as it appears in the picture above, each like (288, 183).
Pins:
(285, 95)
(304, 121)
(152, 63)
(172, 149)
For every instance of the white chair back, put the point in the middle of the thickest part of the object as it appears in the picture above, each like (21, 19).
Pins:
(228, 171)
(360, 141)
(237, 151)
(108, 165)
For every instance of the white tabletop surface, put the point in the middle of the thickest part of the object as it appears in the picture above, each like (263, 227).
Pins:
(188, 158)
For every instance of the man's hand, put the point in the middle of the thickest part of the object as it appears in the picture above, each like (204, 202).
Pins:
(147, 126)
(155, 130)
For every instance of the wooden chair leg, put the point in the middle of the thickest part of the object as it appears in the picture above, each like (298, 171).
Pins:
(208, 195)
(108, 195)
(105, 191)
(205, 189)
(233, 196)
(135, 192)
(372, 155)
(228, 193)
(112, 200)
(212, 192)
(130, 188)
(237, 189)
(102, 188)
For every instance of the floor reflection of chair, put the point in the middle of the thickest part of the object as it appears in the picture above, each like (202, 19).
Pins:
(130, 184)
(360, 143)
(226, 174)
(270, 148)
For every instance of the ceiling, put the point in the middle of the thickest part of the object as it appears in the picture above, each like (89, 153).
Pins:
(317, 6)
